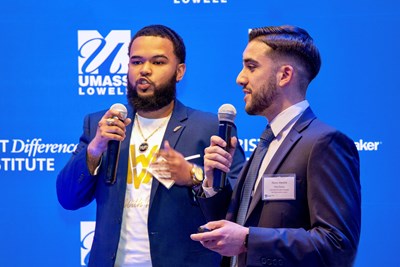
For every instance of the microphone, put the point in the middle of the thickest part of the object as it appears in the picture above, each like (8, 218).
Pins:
(226, 116)
(113, 149)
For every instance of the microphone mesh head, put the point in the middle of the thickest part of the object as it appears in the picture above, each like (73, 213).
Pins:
(226, 112)
(121, 108)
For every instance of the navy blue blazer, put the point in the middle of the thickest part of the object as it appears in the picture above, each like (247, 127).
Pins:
(174, 214)
(321, 227)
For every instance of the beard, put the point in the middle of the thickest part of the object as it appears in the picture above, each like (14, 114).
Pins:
(162, 96)
(263, 98)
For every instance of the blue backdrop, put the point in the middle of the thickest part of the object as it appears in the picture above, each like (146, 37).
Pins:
(52, 74)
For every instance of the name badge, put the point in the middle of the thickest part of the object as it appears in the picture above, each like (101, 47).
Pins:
(279, 187)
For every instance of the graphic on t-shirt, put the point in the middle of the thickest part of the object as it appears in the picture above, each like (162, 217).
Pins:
(138, 164)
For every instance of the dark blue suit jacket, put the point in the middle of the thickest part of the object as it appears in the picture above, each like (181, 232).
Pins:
(174, 214)
(321, 227)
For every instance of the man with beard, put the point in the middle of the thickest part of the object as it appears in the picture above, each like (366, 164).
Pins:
(297, 201)
(146, 217)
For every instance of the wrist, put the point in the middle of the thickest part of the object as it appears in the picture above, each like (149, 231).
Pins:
(207, 182)
(93, 152)
(196, 174)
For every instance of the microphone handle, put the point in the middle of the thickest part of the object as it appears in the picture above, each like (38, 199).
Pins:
(225, 132)
(112, 161)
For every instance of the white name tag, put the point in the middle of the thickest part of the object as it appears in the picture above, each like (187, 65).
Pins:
(279, 187)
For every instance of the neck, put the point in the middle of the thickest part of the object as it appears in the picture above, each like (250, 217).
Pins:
(157, 114)
(279, 106)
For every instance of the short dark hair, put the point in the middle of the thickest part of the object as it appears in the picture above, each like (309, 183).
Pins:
(291, 41)
(164, 32)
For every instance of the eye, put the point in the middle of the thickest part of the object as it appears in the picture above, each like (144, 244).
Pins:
(136, 62)
(158, 62)
(251, 67)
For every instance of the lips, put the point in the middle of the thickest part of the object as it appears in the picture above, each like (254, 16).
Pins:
(246, 92)
(143, 84)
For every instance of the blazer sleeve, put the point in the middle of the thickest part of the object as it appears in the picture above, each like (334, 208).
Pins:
(75, 185)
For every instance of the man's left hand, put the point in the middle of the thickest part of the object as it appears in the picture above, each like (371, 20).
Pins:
(226, 238)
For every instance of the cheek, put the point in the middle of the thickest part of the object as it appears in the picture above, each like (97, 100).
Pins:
(132, 74)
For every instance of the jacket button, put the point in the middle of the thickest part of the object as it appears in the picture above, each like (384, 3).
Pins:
(264, 261)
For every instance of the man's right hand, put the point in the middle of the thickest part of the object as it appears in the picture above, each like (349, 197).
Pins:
(215, 156)
(110, 127)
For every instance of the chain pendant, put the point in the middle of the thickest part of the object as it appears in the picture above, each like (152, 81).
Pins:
(143, 147)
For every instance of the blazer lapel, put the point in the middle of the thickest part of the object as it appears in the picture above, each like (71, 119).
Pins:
(291, 139)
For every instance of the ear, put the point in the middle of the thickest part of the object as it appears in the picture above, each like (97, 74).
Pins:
(180, 71)
(285, 75)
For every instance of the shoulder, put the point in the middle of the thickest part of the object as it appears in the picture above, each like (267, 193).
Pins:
(322, 134)
(193, 114)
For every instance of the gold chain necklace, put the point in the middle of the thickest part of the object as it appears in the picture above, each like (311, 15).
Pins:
(144, 145)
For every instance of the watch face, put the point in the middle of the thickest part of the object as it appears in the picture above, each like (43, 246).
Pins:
(198, 173)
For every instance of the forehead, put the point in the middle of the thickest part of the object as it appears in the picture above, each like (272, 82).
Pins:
(151, 45)
(256, 50)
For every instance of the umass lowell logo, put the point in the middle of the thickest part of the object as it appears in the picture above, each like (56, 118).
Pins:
(102, 62)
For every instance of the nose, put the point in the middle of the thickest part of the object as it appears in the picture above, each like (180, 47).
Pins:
(241, 79)
(146, 69)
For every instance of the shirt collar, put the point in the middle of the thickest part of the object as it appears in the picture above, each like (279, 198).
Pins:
(288, 117)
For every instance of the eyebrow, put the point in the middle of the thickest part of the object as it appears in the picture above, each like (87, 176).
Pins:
(250, 60)
(153, 57)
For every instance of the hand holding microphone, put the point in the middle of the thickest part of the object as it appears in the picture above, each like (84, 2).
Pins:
(110, 132)
(218, 157)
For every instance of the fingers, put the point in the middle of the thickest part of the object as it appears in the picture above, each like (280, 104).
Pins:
(213, 226)
(216, 157)
(234, 142)
(170, 154)
(217, 141)
(112, 127)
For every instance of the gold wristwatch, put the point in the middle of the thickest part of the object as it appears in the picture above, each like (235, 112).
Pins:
(197, 174)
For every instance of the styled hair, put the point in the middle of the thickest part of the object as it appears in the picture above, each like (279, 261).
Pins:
(164, 32)
(293, 42)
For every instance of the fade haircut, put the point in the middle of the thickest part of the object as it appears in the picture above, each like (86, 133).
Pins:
(164, 32)
(293, 42)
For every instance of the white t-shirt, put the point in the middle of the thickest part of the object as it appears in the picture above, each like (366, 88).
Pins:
(134, 246)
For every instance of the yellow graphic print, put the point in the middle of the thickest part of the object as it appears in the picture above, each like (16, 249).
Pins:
(141, 162)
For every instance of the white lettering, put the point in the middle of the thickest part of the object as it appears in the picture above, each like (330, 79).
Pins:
(35, 147)
(248, 145)
(107, 81)
(80, 91)
(90, 91)
(99, 80)
(27, 164)
(95, 80)
(367, 146)
(3, 144)
(102, 91)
